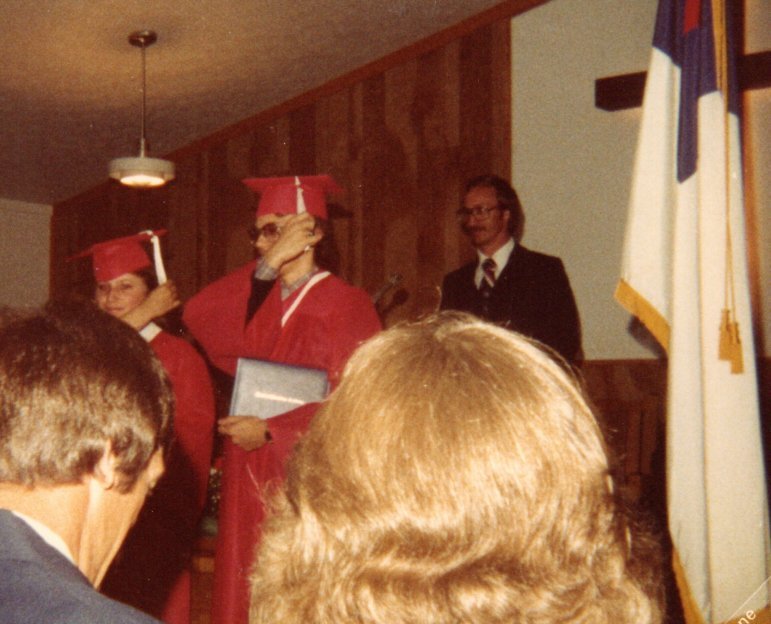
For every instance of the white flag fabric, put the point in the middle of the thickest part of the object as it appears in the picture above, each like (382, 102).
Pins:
(684, 263)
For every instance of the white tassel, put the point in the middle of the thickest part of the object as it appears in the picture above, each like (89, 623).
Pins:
(300, 201)
(160, 270)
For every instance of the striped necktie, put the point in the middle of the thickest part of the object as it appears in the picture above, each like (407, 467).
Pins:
(488, 277)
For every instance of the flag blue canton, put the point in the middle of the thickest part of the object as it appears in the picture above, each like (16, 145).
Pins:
(692, 49)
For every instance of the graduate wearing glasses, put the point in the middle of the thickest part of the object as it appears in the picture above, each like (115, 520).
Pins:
(286, 307)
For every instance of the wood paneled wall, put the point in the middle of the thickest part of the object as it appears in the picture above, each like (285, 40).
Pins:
(629, 400)
(401, 140)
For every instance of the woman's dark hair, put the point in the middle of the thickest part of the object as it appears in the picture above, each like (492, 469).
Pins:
(149, 277)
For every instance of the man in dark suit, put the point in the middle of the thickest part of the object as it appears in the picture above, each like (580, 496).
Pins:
(508, 284)
(85, 417)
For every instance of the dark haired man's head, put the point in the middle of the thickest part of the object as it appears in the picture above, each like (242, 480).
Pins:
(505, 197)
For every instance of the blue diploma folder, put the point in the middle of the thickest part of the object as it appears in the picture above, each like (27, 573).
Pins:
(266, 389)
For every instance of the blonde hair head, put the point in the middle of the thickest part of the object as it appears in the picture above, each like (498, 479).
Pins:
(455, 475)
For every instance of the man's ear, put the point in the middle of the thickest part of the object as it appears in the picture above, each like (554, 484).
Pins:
(105, 470)
(317, 227)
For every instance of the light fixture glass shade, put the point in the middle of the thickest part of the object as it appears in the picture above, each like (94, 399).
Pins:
(141, 171)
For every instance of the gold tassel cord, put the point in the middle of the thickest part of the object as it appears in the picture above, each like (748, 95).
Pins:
(730, 348)
(730, 344)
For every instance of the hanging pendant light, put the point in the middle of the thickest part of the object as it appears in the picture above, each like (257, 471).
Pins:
(142, 171)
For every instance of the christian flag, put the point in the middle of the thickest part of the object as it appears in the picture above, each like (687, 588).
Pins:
(684, 275)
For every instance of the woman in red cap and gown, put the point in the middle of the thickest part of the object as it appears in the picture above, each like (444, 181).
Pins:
(152, 570)
(284, 307)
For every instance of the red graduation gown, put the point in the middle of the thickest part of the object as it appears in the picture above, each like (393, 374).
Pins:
(152, 571)
(331, 320)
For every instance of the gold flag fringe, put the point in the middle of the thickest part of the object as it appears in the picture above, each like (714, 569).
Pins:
(637, 305)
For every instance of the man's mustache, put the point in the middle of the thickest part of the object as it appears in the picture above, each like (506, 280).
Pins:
(470, 229)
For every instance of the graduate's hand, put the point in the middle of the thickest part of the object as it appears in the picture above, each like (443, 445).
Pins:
(162, 299)
(298, 235)
(158, 302)
(248, 432)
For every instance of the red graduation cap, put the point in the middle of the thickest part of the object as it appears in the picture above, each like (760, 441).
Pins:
(293, 194)
(118, 256)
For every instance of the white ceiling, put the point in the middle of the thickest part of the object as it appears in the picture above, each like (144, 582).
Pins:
(70, 82)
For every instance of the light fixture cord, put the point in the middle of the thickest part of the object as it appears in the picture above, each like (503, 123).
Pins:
(142, 141)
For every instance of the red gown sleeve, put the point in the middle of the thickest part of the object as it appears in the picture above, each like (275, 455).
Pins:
(216, 316)
(194, 413)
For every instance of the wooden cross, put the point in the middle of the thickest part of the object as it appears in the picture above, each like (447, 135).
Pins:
(626, 90)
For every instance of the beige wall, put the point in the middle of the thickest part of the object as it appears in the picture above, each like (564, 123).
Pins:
(24, 253)
(572, 162)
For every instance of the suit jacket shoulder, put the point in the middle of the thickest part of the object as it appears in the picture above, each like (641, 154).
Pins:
(522, 254)
(38, 585)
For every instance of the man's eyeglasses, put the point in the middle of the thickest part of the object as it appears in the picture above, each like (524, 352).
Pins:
(269, 230)
(480, 212)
